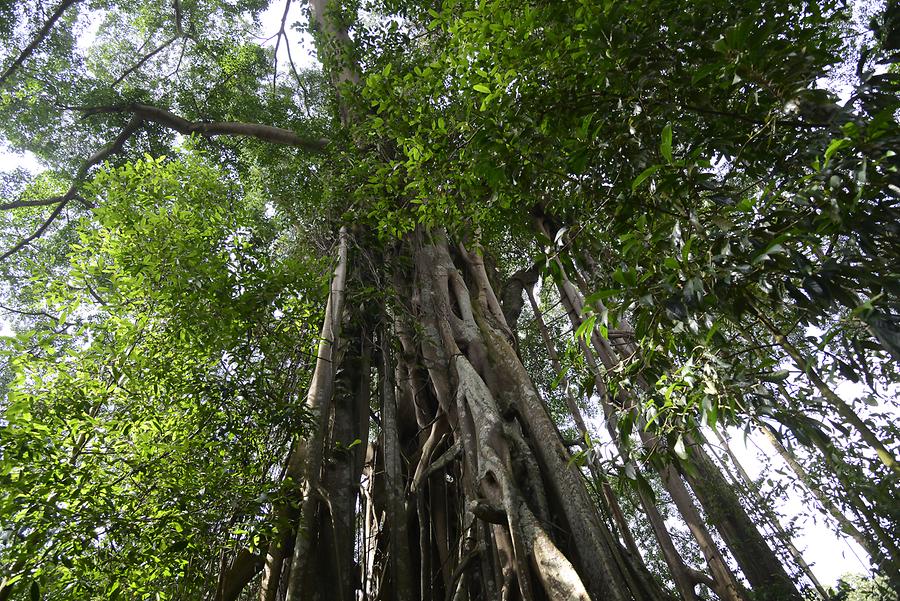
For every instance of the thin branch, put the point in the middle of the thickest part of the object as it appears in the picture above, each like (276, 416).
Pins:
(281, 34)
(38, 232)
(303, 89)
(72, 193)
(144, 59)
(41, 34)
(94, 295)
(180, 58)
(29, 313)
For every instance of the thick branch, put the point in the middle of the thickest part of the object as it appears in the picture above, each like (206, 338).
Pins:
(267, 133)
(41, 34)
(43, 202)
(178, 18)
(244, 567)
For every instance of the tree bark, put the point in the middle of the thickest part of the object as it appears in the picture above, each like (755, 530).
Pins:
(318, 401)
(727, 587)
(757, 560)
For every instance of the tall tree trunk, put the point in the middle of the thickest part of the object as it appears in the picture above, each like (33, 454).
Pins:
(684, 580)
(395, 490)
(845, 411)
(887, 564)
(744, 481)
(726, 585)
(757, 560)
(318, 401)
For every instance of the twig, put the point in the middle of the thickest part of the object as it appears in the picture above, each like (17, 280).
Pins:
(144, 59)
(41, 34)
(280, 34)
(72, 193)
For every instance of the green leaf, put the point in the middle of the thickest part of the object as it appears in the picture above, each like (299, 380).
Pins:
(665, 146)
(480, 87)
(586, 328)
(646, 173)
(679, 448)
(598, 296)
(834, 147)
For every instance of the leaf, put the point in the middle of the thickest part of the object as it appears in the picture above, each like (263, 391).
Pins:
(480, 87)
(774, 249)
(834, 147)
(586, 328)
(665, 147)
(34, 592)
(646, 173)
(598, 296)
(679, 448)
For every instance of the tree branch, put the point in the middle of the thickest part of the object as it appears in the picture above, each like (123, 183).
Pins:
(44, 202)
(29, 313)
(41, 34)
(281, 33)
(72, 193)
(38, 232)
(144, 59)
(267, 133)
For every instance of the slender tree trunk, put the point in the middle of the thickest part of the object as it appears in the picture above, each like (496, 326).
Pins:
(402, 564)
(334, 559)
(887, 564)
(318, 401)
(681, 574)
(757, 560)
(726, 585)
(765, 508)
(846, 412)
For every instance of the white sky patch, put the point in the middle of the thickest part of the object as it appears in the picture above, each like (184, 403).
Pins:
(88, 26)
(11, 160)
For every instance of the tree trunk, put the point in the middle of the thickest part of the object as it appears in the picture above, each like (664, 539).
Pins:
(887, 564)
(680, 573)
(726, 586)
(757, 560)
(765, 508)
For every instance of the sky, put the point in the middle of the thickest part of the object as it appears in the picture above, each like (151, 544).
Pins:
(829, 555)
